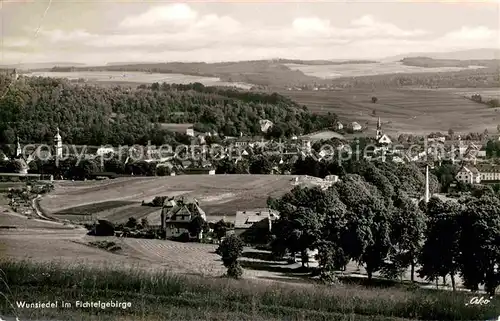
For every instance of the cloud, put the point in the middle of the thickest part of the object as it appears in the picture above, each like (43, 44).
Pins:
(11, 43)
(177, 32)
(59, 36)
(179, 14)
(469, 36)
(311, 26)
(367, 25)
(471, 33)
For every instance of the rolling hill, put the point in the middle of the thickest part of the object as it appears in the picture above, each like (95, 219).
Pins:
(472, 54)
(119, 199)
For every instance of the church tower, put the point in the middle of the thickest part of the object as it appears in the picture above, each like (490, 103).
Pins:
(379, 129)
(58, 144)
(19, 151)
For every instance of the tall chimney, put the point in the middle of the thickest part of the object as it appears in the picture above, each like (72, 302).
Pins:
(426, 184)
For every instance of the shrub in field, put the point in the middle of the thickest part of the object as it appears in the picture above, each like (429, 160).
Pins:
(104, 228)
(220, 229)
(158, 201)
(230, 250)
(131, 223)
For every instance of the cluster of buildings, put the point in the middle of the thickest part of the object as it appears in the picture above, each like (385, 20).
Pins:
(479, 174)
(178, 213)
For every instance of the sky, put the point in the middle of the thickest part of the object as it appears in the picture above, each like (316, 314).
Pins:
(103, 31)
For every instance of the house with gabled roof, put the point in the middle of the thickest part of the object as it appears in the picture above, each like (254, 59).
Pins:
(469, 175)
(177, 214)
(254, 226)
(246, 219)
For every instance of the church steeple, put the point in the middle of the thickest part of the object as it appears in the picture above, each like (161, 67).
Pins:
(58, 144)
(379, 129)
(18, 148)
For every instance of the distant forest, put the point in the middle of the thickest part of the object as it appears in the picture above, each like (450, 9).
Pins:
(91, 115)
(274, 74)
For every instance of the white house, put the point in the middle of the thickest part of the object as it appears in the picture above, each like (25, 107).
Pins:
(356, 126)
(190, 131)
(384, 140)
(332, 178)
(489, 173)
(469, 175)
(105, 151)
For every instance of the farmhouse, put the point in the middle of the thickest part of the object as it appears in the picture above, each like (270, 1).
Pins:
(260, 219)
(177, 214)
(469, 175)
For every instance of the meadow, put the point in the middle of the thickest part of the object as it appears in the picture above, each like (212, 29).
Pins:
(415, 111)
(366, 69)
(135, 77)
(119, 199)
(161, 295)
(486, 94)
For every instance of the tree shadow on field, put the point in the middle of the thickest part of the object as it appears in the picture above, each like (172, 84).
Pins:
(263, 256)
(295, 279)
(375, 282)
(273, 267)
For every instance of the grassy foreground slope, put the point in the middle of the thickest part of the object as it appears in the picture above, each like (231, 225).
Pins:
(162, 296)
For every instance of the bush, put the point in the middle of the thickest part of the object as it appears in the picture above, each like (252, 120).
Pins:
(104, 228)
(184, 237)
(158, 201)
(230, 250)
(131, 223)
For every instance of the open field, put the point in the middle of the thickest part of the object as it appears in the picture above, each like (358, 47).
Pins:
(367, 69)
(41, 241)
(161, 295)
(493, 93)
(403, 110)
(136, 77)
(118, 199)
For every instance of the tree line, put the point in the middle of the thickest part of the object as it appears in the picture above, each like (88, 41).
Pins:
(32, 108)
(371, 218)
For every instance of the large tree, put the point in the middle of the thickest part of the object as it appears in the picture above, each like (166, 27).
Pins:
(440, 252)
(480, 243)
(407, 233)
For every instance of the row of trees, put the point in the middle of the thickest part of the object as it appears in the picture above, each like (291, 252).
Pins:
(91, 115)
(490, 102)
(375, 222)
